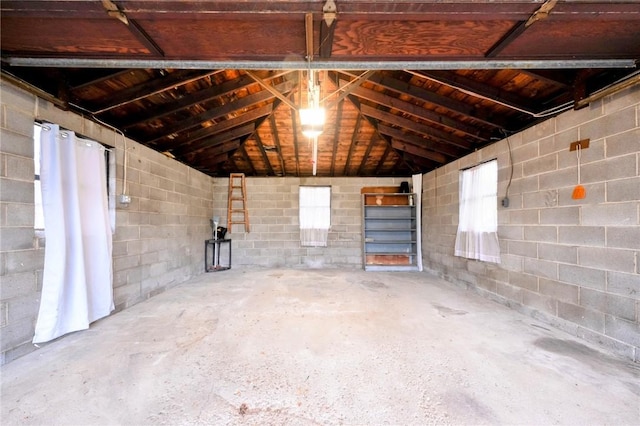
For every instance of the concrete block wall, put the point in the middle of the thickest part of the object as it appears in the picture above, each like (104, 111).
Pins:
(572, 263)
(274, 237)
(159, 237)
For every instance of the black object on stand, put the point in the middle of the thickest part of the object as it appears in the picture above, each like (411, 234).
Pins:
(212, 263)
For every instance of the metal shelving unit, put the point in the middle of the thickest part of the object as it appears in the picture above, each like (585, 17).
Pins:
(389, 236)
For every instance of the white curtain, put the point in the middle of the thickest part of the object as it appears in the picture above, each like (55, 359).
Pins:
(315, 215)
(77, 281)
(416, 181)
(477, 236)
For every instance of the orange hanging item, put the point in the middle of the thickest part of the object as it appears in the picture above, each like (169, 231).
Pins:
(579, 192)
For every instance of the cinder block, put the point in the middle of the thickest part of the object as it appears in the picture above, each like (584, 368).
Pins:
(557, 179)
(521, 186)
(509, 292)
(558, 290)
(615, 122)
(581, 276)
(580, 315)
(582, 235)
(540, 165)
(618, 214)
(541, 233)
(623, 284)
(16, 334)
(612, 168)
(16, 238)
(19, 122)
(569, 159)
(625, 331)
(558, 253)
(18, 285)
(524, 152)
(607, 259)
(558, 142)
(23, 307)
(525, 281)
(623, 237)
(4, 314)
(126, 262)
(596, 194)
(541, 268)
(18, 214)
(623, 143)
(539, 302)
(16, 191)
(17, 98)
(623, 190)
(510, 232)
(523, 248)
(618, 306)
(560, 216)
(524, 217)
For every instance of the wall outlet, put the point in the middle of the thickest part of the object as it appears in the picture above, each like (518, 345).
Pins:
(125, 199)
(505, 202)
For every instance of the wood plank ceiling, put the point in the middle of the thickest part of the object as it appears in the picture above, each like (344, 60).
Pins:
(408, 86)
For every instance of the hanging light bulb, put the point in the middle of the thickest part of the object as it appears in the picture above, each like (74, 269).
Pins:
(312, 118)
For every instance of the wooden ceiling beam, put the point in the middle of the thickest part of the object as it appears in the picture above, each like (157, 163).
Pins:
(220, 154)
(263, 153)
(372, 142)
(207, 144)
(424, 164)
(215, 113)
(419, 112)
(109, 75)
(442, 148)
(383, 157)
(336, 137)
(190, 100)
(201, 96)
(219, 127)
(276, 140)
(354, 138)
(149, 88)
(458, 107)
(243, 152)
(294, 125)
(475, 88)
(418, 150)
(415, 127)
(558, 78)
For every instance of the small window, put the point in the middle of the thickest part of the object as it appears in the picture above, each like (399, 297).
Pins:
(315, 215)
(477, 236)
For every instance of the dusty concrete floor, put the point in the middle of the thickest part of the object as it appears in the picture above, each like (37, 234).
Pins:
(319, 347)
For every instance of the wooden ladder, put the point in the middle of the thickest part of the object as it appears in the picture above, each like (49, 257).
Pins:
(237, 204)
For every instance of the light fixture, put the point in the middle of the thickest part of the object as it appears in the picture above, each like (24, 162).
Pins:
(312, 118)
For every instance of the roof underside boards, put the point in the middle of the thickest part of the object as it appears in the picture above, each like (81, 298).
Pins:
(408, 86)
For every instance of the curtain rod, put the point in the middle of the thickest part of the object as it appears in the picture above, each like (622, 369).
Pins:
(479, 164)
(63, 129)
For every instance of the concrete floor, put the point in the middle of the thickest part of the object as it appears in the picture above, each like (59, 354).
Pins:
(319, 347)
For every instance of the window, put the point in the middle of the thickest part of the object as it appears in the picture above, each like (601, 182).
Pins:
(315, 215)
(477, 236)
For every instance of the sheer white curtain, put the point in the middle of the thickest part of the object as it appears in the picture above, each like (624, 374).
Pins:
(477, 236)
(315, 215)
(416, 181)
(77, 281)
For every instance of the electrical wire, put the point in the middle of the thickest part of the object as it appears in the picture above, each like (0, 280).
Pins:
(510, 163)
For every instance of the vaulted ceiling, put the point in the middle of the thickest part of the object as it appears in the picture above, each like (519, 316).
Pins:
(408, 86)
